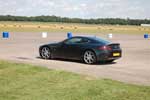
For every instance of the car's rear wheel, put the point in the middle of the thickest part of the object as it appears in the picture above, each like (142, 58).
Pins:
(89, 57)
(45, 53)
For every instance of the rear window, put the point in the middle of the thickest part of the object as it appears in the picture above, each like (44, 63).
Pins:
(100, 40)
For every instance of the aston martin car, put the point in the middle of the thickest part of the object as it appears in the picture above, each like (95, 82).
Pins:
(87, 49)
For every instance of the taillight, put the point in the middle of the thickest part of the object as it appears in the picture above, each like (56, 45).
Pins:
(105, 48)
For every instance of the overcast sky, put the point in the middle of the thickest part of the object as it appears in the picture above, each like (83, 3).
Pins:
(78, 8)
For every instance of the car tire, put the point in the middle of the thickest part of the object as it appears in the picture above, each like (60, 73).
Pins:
(45, 53)
(89, 57)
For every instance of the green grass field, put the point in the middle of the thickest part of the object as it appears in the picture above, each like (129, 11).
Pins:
(64, 27)
(28, 82)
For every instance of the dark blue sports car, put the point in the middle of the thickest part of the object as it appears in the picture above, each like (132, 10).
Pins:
(87, 49)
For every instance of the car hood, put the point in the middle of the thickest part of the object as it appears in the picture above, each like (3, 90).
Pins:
(49, 44)
(53, 43)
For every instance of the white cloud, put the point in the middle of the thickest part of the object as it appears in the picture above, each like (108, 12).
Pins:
(77, 8)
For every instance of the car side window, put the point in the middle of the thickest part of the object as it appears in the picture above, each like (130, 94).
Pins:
(85, 40)
(74, 40)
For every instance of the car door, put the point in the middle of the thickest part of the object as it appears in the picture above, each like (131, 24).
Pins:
(72, 48)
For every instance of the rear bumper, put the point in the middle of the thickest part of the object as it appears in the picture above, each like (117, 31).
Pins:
(109, 55)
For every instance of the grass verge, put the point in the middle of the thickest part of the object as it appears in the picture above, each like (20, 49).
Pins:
(28, 82)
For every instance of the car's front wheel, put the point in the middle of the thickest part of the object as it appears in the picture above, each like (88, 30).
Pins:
(89, 57)
(45, 53)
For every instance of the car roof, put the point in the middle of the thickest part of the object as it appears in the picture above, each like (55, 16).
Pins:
(94, 38)
(89, 37)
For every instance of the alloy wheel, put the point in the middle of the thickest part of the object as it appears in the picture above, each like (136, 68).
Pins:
(89, 57)
(45, 53)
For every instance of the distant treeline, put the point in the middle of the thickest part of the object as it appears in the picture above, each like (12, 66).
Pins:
(112, 21)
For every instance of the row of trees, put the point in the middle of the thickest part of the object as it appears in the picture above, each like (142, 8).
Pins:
(112, 21)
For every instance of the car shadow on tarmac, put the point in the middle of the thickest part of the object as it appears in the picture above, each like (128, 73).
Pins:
(77, 61)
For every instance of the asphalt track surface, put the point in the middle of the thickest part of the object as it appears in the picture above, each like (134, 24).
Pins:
(133, 67)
